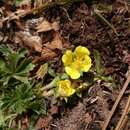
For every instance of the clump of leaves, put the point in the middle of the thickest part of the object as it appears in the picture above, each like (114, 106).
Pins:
(14, 65)
(19, 101)
(18, 91)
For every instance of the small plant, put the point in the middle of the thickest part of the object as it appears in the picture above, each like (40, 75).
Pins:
(99, 69)
(21, 93)
(18, 100)
(14, 65)
(18, 88)
(77, 62)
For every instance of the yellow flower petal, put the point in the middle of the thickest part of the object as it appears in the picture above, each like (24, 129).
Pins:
(86, 64)
(65, 89)
(80, 52)
(72, 72)
(77, 62)
(67, 58)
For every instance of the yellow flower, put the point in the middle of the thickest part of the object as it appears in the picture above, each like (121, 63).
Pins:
(64, 88)
(67, 58)
(77, 62)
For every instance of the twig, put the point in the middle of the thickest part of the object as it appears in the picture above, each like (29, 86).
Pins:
(97, 13)
(116, 103)
(124, 122)
(40, 8)
(124, 114)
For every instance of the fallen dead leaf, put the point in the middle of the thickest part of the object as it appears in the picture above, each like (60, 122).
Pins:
(34, 42)
(47, 54)
(53, 110)
(47, 26)
(20, 25)
(56, 43)
(15, 15)
(87, 118)
(43, 122)
(25, 3)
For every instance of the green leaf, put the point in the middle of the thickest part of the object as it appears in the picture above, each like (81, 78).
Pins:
(15, 65)
(52, 72)
(22, 79)
(19, 99)
(39, 106)
(4, 118)
(5, 50)
(107, 78)
(24, 67)
(98, 65)
(22, 52)
(2, 64)
(13, 59)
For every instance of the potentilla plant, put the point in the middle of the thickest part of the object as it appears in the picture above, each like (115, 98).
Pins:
(75, 63)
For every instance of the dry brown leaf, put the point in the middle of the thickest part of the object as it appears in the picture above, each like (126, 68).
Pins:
(47, 54)
(34, 42)
(20, 25)
(17, 14)
(87, 118)
(56, 43)
(53, 110)
(55, 26)
(42, 71)
(43, 122)
(47, 26)
(25, 3)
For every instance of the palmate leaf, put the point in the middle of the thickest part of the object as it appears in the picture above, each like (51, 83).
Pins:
(14, 65)
(22, 99)
(18, 100)
(24, 67)
(5, 50)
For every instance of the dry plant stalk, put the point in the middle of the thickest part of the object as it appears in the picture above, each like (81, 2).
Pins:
(98, 14)
(116, 103)
(123, 116)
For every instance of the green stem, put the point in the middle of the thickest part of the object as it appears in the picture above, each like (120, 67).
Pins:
(51, 84)
(47, 93)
